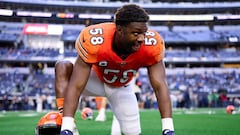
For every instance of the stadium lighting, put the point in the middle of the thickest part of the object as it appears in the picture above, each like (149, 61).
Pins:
(95, 16)
(181, 17)
(34, 14)
(233, 39)
(64, 15)
(6, 12)
(224, 17)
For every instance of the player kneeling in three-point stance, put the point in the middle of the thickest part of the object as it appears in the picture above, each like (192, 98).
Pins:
(110, 54)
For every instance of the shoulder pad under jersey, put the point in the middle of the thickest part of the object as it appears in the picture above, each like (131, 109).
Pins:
(155, 41)
(89, 41)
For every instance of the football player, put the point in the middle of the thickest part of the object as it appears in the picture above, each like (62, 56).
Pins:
(109, 56)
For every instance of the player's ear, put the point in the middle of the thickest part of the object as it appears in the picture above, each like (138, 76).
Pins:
(118, 28)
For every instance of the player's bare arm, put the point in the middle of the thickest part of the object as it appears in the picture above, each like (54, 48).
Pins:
(78, 80)
(157, 78)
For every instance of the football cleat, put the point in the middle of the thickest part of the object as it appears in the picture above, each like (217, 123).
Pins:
(168, 132)
(49, 124)
(101, 117)
(66, 132)
(87, 113)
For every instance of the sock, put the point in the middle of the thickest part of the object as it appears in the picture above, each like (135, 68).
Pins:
(68, 123)
(167, 123)
(102, 111)
(60, 102)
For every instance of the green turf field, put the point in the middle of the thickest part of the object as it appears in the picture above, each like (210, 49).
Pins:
(197, 122)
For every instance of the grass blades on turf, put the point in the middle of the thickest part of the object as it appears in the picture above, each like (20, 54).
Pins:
(187, 122)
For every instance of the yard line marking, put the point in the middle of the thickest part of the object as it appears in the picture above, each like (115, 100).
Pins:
(28, 115)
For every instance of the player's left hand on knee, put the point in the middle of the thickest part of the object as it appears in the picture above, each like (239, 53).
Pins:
(167, 132)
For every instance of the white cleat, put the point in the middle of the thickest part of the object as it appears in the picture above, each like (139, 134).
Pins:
(101, 117)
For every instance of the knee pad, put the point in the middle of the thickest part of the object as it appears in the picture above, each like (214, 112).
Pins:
(130, 127)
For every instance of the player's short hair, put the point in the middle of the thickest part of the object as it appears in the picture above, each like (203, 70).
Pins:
(130, 13)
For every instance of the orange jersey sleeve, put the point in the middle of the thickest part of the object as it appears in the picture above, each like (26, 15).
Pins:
(151, 52)
(153, 49)
(89, 41)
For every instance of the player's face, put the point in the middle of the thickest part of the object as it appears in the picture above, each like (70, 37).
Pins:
(133, 36)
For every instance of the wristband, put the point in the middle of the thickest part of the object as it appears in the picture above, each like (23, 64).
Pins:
(67, 123)
(167, 123)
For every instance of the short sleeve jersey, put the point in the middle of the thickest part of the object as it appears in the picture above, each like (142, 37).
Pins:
(94, 46)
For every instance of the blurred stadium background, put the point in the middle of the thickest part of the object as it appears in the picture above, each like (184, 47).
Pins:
(202, 49)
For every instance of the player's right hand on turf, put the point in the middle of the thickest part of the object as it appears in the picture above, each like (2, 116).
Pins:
(66, 132)
(168, 132)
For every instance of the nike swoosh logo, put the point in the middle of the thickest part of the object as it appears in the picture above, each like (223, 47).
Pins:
(166, 131)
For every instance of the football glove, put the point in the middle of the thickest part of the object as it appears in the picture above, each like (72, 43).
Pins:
(168, 132)
(66, 132)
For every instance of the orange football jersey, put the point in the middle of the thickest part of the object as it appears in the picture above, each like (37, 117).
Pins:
(94, 45)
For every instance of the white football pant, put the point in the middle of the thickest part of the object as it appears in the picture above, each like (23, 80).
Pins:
(122, 100)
